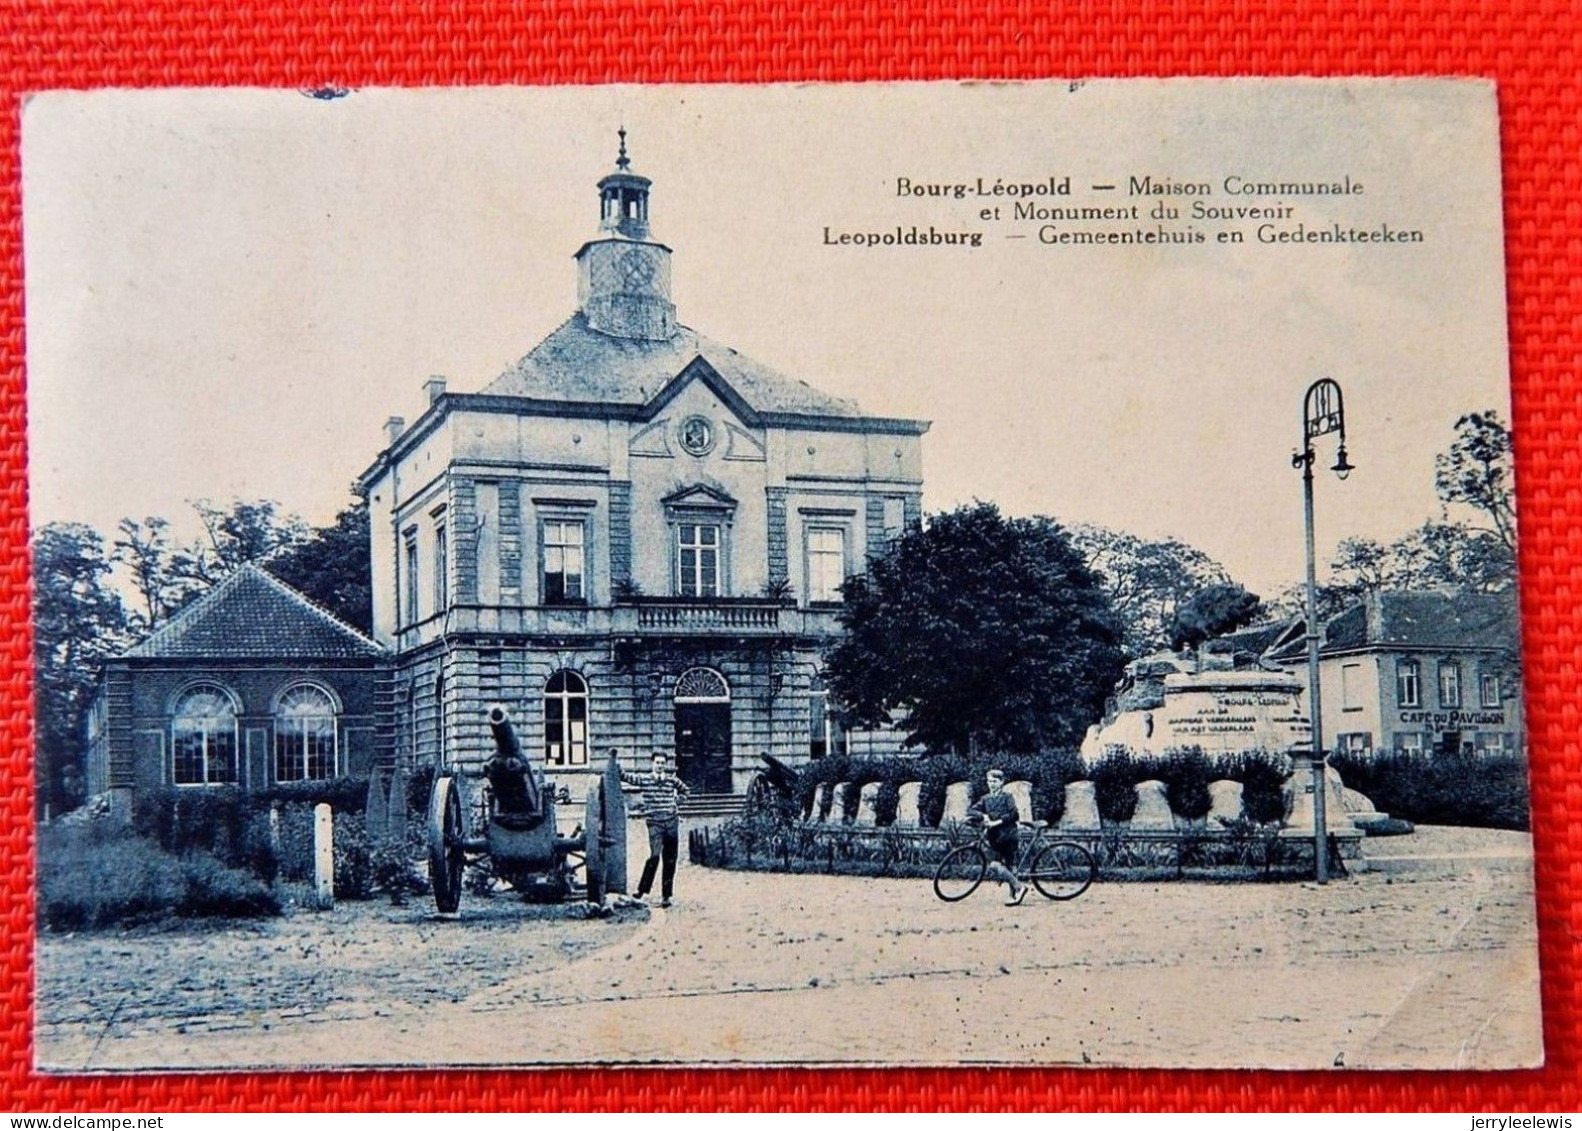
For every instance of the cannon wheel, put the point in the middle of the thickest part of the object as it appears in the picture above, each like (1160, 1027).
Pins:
(445, 855)
(593, 837)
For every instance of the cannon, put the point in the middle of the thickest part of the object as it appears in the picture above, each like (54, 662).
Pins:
(505, 813)
(773, 789)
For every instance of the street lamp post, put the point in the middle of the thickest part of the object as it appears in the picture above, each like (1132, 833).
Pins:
(1323, 412)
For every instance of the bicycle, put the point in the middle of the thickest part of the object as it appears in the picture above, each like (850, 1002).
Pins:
(1060, 870)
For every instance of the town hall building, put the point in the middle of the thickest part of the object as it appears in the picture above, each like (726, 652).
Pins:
(634, 538)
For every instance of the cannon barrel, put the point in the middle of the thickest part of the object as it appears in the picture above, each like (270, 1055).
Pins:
(505, 740)
(516, 786)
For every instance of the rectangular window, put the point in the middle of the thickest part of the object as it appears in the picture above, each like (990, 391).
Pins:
(305, 749)
(1496, 744)
(894, 518)
(1351, 687)
(1356, 743)
(826, 562)
(698, 559)
(1408, 684)
(564, 561)
(825, 735)
(410, 556)
(1489, 687)
(1409, 743)
(441, 569)
(204, 757)
(1449, 684)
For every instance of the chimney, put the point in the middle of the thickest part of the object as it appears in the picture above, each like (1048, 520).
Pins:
(434, 388)
(393, 429)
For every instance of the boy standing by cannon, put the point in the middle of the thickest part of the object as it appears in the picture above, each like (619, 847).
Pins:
(662, 793)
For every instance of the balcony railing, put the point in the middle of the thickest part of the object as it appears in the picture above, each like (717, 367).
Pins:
(708, 616)
(641, 616)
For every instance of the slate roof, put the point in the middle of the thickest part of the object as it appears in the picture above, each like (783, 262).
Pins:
(251, 615)
(1419, 619)
(577, 363)
(1426, 619)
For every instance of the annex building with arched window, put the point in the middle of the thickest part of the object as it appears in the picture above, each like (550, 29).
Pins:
(634, 537)
(251, 685)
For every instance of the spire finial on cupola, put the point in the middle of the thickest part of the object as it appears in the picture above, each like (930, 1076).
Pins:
(623, 197)
(623, 275)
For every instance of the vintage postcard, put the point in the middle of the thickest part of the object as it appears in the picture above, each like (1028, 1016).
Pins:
(916, 574)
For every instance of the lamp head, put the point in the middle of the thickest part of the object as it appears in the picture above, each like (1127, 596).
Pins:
(1343, 467)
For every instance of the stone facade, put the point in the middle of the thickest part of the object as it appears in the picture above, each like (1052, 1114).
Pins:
(633, 539)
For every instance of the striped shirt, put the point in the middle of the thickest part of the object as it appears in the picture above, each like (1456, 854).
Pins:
(661, 793)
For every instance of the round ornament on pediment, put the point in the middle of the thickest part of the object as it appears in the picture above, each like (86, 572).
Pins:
(696, 435)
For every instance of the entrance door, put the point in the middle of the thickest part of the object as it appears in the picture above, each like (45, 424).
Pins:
(703, 746)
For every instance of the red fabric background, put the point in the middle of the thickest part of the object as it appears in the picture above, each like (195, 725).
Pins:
(1531, 48)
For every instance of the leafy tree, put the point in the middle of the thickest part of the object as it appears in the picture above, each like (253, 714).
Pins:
(1476, 471)
(978, 631)
(78, 621)
(1452, 556)
(1436, 555)
(332, 566)
(246, 531)
(1146, 580)
(166, 575)
(1292, 601)
(1363, 564)
(145, 550)
(1211, 612)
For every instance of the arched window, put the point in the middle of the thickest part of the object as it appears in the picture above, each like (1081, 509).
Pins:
(702, 685)
(566, 720)
(305, 735)
(203, 737)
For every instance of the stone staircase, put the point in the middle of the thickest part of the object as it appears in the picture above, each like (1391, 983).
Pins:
(711, 806)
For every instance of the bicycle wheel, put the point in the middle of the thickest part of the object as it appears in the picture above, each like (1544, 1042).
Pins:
(1064, 870)
(960, 872)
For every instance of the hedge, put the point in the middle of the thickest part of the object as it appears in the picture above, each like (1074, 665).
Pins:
(95, 874)
(1442, 789)
(1186, 773)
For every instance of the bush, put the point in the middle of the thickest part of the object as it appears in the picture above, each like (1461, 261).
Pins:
(394, 864)
(231, 822)
(418, 787)
(344, 795)
(90, 875)
(184, 820)
(353, 857)
(1443, 789)
(936, 773)
(1262, 777)
(1114, 777)
(825, 771)
(1186, 775)
(1056, 770)
(887, 803)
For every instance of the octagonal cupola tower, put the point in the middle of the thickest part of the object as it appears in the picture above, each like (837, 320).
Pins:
(623, 276)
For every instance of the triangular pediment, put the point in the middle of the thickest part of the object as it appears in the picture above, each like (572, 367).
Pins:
(700, 371)
(700, 495)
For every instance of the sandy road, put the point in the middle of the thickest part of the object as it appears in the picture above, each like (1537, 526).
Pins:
(1407, 971)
